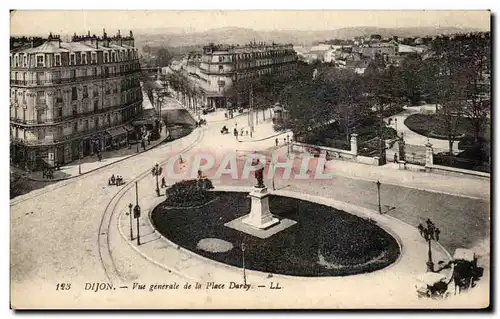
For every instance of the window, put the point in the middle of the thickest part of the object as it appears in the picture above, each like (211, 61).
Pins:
(74, 94)
(57, 60)
(94, 57)
(221, 68)
(96, 122)
(106, 57)
(72, 59)
(16, 61)
(113, 56)
(96, 107)
(11, 61)
(59, 112)
(40, 98)
(25, 61)
(40, 60)
(59, 98)
(96, 93)
(85, 92)
(84, 57)
(75, 127)
(108, 119)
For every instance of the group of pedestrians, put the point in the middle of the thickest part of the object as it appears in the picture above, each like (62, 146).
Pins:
(118, 180)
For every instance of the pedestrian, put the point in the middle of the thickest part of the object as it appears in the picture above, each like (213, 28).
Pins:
(113, 179)
(276, 141)
(247, 132)
(284, 140)
(163, 182)
(395, 157)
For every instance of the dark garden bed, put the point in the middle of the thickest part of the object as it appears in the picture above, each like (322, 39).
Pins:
(324, 242)
(433, 126)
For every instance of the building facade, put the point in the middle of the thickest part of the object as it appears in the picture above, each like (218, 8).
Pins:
(219, 66)
(71, 99)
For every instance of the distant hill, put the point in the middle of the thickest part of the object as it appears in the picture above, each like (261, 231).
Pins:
(233, 35)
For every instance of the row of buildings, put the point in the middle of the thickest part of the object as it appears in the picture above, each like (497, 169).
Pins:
(70, 99)
(218, 67)
(358, 53)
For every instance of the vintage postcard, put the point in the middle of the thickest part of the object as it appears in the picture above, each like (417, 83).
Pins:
(250, 159)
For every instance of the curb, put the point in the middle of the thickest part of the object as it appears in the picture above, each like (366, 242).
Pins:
(266, 138)
(98, 168)
(363, 213)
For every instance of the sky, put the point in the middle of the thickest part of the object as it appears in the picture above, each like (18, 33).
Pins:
(68, 22)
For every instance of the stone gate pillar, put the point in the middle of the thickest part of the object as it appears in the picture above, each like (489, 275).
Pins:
(429, 157)
(354, 144)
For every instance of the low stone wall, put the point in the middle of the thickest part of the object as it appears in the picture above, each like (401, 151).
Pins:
(335, 153)
(368, 160)
(453, 171)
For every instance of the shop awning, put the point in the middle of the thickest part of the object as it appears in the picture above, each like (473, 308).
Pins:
(129, 127)
(139, 122)
(116, 131)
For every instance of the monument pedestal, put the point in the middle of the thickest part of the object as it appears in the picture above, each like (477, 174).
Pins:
(260, 216)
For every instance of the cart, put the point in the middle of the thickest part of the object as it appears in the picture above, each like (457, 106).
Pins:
(432, 285)
(465, 271)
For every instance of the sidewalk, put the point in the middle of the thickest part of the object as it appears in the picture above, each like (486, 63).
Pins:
(391, 174)
(396, 280)
(90, 163)
(415, 138)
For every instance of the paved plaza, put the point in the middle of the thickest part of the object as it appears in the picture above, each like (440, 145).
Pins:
(77, 231)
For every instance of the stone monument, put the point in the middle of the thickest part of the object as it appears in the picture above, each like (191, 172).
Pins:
(260, 216)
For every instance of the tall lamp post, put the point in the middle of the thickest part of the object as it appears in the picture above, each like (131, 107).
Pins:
(130, 206)
(288, 145)
(156, 171)
(137, 213)
(243, 247)
(429, 232)
(378, 191)
(80, 159)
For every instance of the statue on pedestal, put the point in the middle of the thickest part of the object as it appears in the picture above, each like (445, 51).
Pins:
(259, 173)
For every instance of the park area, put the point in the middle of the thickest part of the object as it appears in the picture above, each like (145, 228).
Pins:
(324, 241)
(474, 154)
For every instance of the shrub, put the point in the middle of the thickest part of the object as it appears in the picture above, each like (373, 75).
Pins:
(189, 193)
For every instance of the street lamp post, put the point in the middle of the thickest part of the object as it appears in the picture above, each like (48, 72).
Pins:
(137, 213)
(243, 247)
(156, 171)
(130, 206)
(80, 163)
(429, 232)
(288, 145)
(378, 191)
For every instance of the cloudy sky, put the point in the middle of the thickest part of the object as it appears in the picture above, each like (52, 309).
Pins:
(67, 22)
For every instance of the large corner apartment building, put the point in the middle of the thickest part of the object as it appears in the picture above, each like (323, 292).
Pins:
(71, 99)
(219, 66)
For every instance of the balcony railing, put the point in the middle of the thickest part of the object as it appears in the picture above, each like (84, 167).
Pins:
(71, 79)
(59, 119)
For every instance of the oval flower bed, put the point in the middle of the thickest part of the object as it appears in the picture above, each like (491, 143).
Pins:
(324, 242)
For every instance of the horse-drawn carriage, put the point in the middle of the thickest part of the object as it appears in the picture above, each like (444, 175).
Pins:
(465, 272)
(432, 285)
(224, 130)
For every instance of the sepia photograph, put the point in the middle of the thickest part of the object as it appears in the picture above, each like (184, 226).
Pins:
(250, 159)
